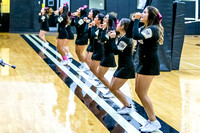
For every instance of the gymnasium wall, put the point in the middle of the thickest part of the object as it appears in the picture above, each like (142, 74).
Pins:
(110, 6)
(192, 28)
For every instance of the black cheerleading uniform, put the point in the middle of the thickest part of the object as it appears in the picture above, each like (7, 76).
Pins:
(123, 49)
(98, 48)
(82, 37)
(88, 31)
(70, 33)
(108, 58)
(62, 32)
(148, 49)
(130, 29)
(44, 22)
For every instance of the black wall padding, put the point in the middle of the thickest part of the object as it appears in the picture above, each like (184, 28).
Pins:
(178, 34)
(122, 7)
(166, 9)
(24, 15)
(4, 19)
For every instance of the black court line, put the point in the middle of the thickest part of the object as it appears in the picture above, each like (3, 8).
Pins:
(107, 120)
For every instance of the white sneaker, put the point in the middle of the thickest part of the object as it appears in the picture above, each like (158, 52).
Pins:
(100, 85)
(86, 66)
(151, 126)
(125, 110)
(45, 44)
(69, 55)
(145, 123)
(64, 62)
(108, 95)
(81, 68)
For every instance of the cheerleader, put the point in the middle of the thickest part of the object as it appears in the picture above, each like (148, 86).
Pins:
(149, 36)
(43, 19)
(82, 37)
(63, 36)
(89, 50)
(108, 60)
(98, 48)
(125, 70)
(70, 36)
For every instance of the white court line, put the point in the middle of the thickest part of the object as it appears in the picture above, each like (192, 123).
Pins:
(134, 114)
(93, 82)
(118, 118)
(190, 64)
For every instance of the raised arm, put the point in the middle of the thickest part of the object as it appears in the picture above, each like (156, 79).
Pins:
(144, 34)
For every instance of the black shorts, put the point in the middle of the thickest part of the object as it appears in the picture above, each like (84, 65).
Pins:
(70, 34)
(63, 34)
(125, 73)
(108, 61)
(89, 48)
(98, 55)
(82, 40)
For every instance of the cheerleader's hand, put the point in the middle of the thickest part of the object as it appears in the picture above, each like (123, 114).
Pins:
(93, 23)
(133, 17)
(75, 14)
(88, 21)
(101, 26)
(85, 19)
(56, 12)
(90, 25)
(112, 34)
(138, 15)
(40, 14)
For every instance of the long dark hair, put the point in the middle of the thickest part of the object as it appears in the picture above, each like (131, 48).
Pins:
(154, 19)
(95, 12)
(100, 17)
(111, 22)
(65, 8)
(125, 22)
(65, 13)
(83, 12)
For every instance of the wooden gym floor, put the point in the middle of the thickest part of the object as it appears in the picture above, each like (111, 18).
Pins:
(41, 96)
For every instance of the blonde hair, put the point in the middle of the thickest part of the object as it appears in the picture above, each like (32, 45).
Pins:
(49, 12)
(134, 45)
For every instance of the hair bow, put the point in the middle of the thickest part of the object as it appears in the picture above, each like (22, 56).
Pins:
(84, 7)
(160, 17)
(117, 22)
(66, 4)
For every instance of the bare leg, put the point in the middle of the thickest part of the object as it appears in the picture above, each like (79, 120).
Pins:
(60, 43)
(88, 59)
(80, 52)
(42, 35)
(94, 66)
(143, 83)
(116, 84)
(100, 74)
(65, 45)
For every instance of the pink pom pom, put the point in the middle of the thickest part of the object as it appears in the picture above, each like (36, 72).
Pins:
(85, 6)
